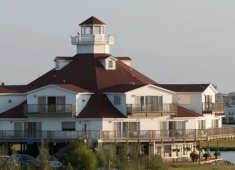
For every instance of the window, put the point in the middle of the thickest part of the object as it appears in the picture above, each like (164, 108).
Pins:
(151, 103)
(68, 126)
(184, 99)
(215, 123)
(33, 129)
(110, 64)
(117, 100)
(167, 150)
(96, 30)
(201, 124)
(124, 128)
(88, 30)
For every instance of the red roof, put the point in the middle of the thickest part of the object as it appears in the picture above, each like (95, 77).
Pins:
(99, 106)
(71, 87)
(122, 88)
(14, 88)
(91, 21)
(87, 72)
(183, 112)
(185, 87)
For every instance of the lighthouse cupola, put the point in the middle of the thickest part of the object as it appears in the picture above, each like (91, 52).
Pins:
(92, 38)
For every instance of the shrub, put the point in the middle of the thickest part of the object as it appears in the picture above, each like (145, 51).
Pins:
(154, 162)
(194, 156)
(217, 153)
(80, 156)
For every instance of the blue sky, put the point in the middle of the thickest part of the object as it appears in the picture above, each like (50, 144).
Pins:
(171, 41)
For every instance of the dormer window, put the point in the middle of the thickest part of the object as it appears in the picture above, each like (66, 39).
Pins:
(110, 64)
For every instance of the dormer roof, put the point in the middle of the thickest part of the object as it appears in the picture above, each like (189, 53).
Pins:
(92, 21)
(123, 58)
(185, 87)
(63, 58)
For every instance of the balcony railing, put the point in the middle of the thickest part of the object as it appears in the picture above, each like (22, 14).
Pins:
(45, 109)
(190, 134)
(213, 107)
(157, 109)
(92, 38)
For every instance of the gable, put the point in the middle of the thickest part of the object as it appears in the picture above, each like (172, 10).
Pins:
(151, 89)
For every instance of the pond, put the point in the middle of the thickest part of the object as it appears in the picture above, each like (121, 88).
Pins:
(228, 155)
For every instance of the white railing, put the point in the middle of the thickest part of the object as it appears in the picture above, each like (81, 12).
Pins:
(75, 40)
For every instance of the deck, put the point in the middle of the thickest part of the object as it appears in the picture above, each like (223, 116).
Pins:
(157, 136)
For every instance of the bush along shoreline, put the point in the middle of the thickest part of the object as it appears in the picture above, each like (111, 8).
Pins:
(212, 148)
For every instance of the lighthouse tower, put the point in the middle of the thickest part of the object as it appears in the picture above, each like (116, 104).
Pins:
(92, 38)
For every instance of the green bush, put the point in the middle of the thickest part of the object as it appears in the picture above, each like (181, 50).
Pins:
(155, 162)
(80, 156)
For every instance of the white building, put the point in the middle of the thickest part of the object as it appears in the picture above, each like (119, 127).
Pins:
(100, 97)
(229, 109)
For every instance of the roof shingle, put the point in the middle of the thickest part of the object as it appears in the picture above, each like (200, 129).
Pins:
(185, 87)
(91, 21)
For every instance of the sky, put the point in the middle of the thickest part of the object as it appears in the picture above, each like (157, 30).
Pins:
(171, 41)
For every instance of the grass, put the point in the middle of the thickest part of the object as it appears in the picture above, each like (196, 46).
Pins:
(224, 145)
(201, 167)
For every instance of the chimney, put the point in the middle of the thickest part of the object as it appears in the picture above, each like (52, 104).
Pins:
(2, 84)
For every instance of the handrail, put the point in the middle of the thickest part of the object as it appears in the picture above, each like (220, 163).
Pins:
(47, 108)
(118, 135)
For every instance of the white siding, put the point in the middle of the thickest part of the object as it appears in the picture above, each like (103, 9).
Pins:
(81, 102)
(122, 106)
(148, 91)
(196, 101)
(9, 101)
(208, 91)
(59, 64)
(32, 98)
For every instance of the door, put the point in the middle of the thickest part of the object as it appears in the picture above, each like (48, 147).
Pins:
(42, 107)
(51, 101)
(172, 128)
(18, 129)
(32, 129)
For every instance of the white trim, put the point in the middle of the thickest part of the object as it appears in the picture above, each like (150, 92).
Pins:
(12, 94)
(154, 86)
(55, 86)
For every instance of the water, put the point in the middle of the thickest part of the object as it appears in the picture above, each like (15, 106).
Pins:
(228, 155)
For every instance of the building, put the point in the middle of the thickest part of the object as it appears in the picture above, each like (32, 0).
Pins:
(229, 109)
(101, 98)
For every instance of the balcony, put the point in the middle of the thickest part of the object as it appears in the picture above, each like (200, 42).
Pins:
(215, 108)
(49, 110)
(121, 136)
(84, 39)
(151, 110)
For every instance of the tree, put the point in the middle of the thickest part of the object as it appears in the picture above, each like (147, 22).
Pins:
(80, 156)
